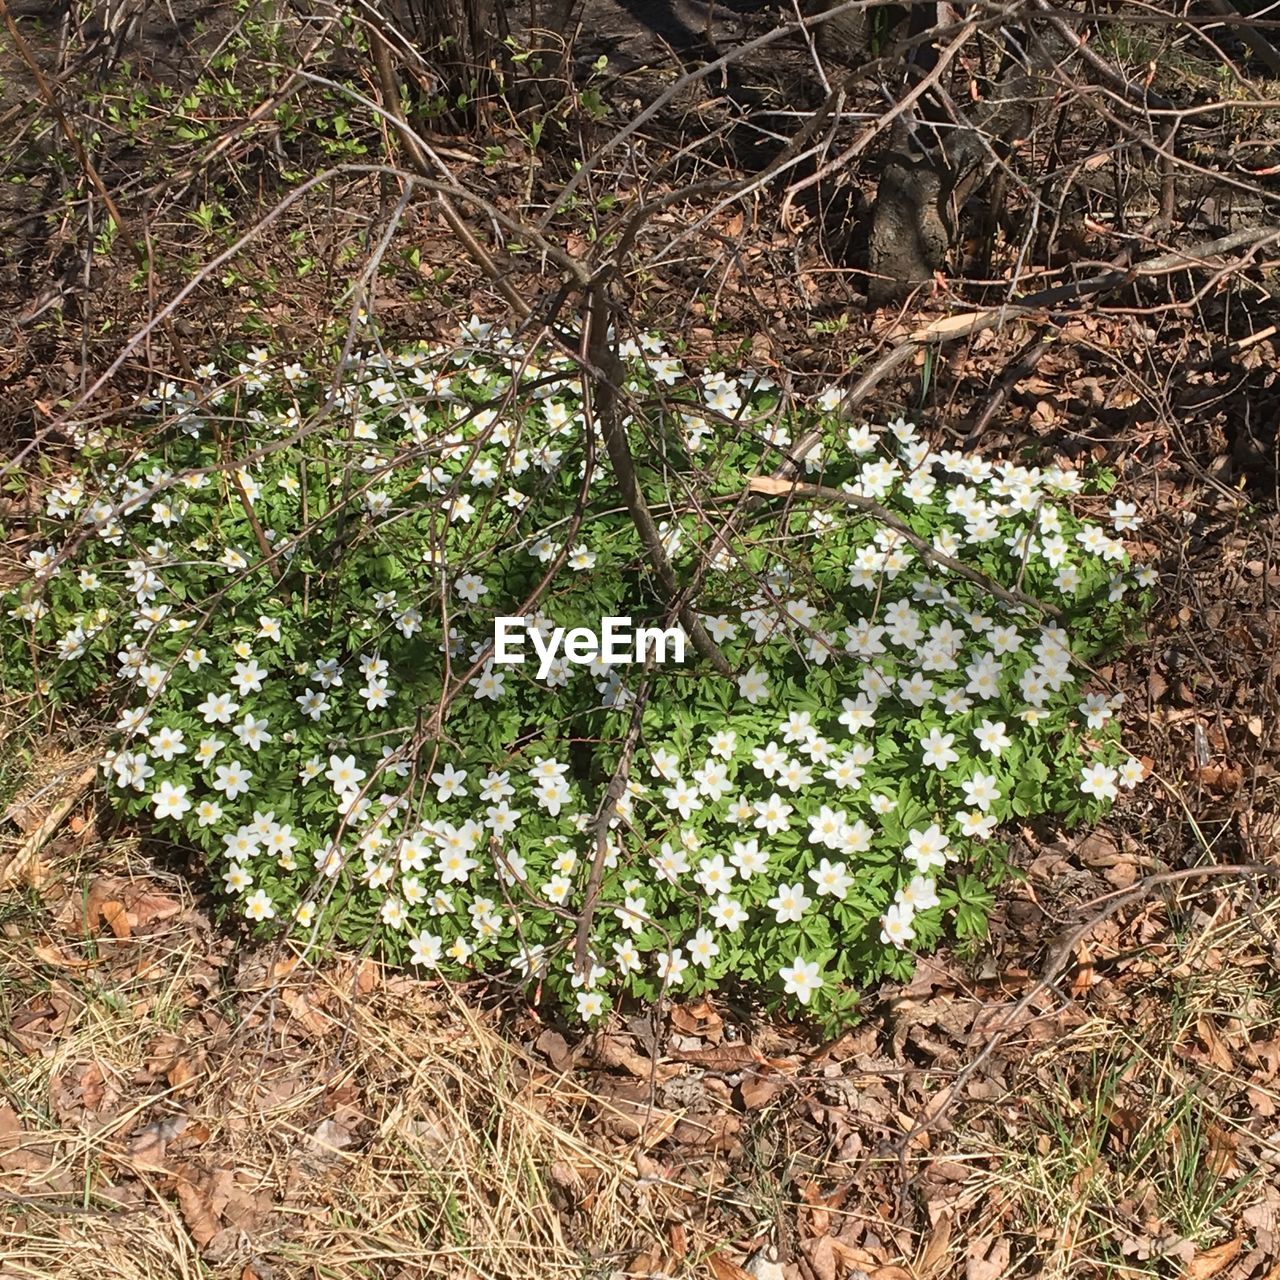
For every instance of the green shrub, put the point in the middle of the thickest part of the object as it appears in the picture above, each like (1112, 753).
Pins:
(285, 584)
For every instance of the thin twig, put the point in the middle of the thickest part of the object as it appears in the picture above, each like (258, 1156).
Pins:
(603, 399)
(603, 817)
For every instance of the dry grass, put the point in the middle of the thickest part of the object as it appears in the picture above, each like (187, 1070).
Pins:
(1138, 1140)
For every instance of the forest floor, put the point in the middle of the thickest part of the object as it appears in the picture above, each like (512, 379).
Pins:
(1093, 1090)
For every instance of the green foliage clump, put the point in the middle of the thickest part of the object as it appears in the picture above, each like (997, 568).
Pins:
(286, 587)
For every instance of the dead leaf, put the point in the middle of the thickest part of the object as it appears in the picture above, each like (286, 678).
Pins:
(197, 1212)
(181, 1073)
(722, 1057)
(117, 918)
(987, 1259)
(147, 1148)
(92, 1087)
(935, 1248)
(1219, 1053)
(329, 1138)
(722, 1269)
(310, 1021)
(367, 976)
(821, 1257)
(617, 1051)
(51, 954)
(758, 1088)
(555, 1048)
(1220, 1145)
(1211, 1261)
(697, 1019)
(147, 908)
(16, 1147)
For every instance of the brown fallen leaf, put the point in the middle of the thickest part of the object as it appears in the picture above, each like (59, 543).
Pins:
(987, 1259)
(555, 1048)
(697, 1019)
(617, 1051)
(722, 1268)
(116, 916)
(758, 1088)
(821, 1257)
(1211, 1261)
(51, 954)
(181, 1073)
(92, 1087)
(197, 1212)
(935, 1247)
(147, 907)
(723, 1057)
(1219, 1053)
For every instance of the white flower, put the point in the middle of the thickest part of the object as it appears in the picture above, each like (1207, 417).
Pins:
(344, 774)
(449, 783)
(218, 708)
(425, 949)
(919, 894)
(832, 879)
(626, 956)
(895, 926)
(375, 694)
(470, 587)
(1096, 709)
(703, 947)
(769, 759)
(328, 673)
(208, 812)
(937, 749)
(748, 859)
(1124, 516)
(789, 903)
(1132, 772)
(728, 913)
(497, 786)
(927, 848)
(171, 801)
(991, 737)
(671, 967)
(976, 824)
(801, 979)
(259, 906)
(1099, 780)
(232, 779)
(167, 743)
(798, 728)
(314, 703)
(392, 913)
(248, 676)
(714, 875)
(682, 798)
(590, 1005)
(252, 733)
(772, 814)
(981, 790)
(754, 686)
